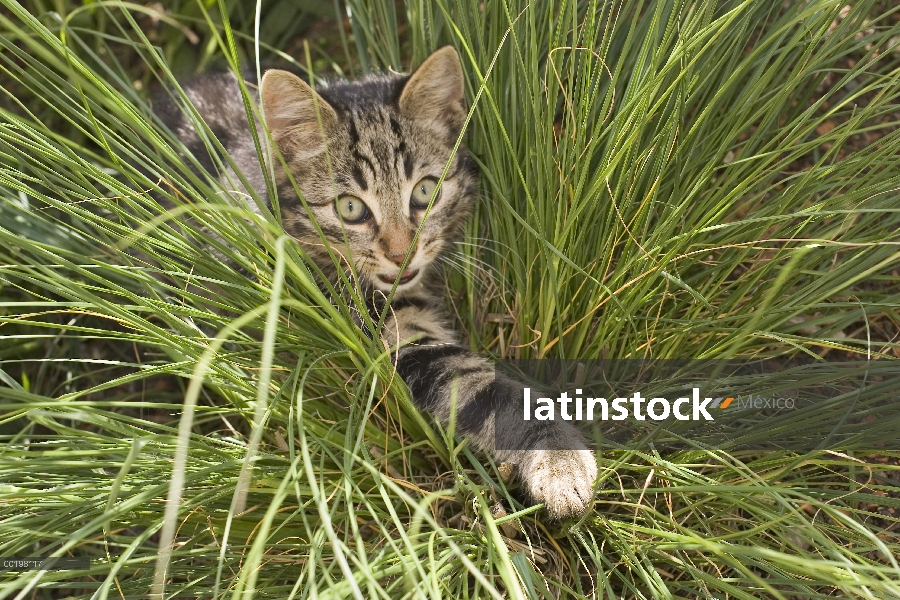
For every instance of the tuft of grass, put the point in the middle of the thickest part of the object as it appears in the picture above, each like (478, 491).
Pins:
(659, 179)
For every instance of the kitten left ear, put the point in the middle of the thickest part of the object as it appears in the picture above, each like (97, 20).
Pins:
(293, 113)
(435, 93)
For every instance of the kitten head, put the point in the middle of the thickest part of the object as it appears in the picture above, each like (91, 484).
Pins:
(367, 156)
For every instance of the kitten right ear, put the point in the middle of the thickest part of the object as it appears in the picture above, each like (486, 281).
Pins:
(289, 106)
(435, 93)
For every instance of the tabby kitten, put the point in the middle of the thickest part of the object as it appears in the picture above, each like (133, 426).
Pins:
(388, 139)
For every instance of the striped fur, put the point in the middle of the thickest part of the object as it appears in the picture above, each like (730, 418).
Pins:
(374, 140)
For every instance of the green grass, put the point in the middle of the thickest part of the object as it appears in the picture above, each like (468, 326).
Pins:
(659, 179)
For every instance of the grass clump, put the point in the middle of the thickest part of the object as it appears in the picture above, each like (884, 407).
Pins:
(659, 179)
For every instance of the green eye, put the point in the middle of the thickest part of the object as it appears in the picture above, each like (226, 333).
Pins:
(351, 209)
(421, 194)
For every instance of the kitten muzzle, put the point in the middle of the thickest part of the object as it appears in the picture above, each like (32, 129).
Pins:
(407, 276)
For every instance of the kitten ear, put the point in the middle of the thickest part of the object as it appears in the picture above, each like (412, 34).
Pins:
(289, 105)
(435, 94)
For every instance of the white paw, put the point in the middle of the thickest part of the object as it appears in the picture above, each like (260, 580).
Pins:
(562, 479)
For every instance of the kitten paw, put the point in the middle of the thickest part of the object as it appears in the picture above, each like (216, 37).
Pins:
(562, 479)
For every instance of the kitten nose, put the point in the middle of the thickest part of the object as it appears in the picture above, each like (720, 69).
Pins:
(398, 259)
